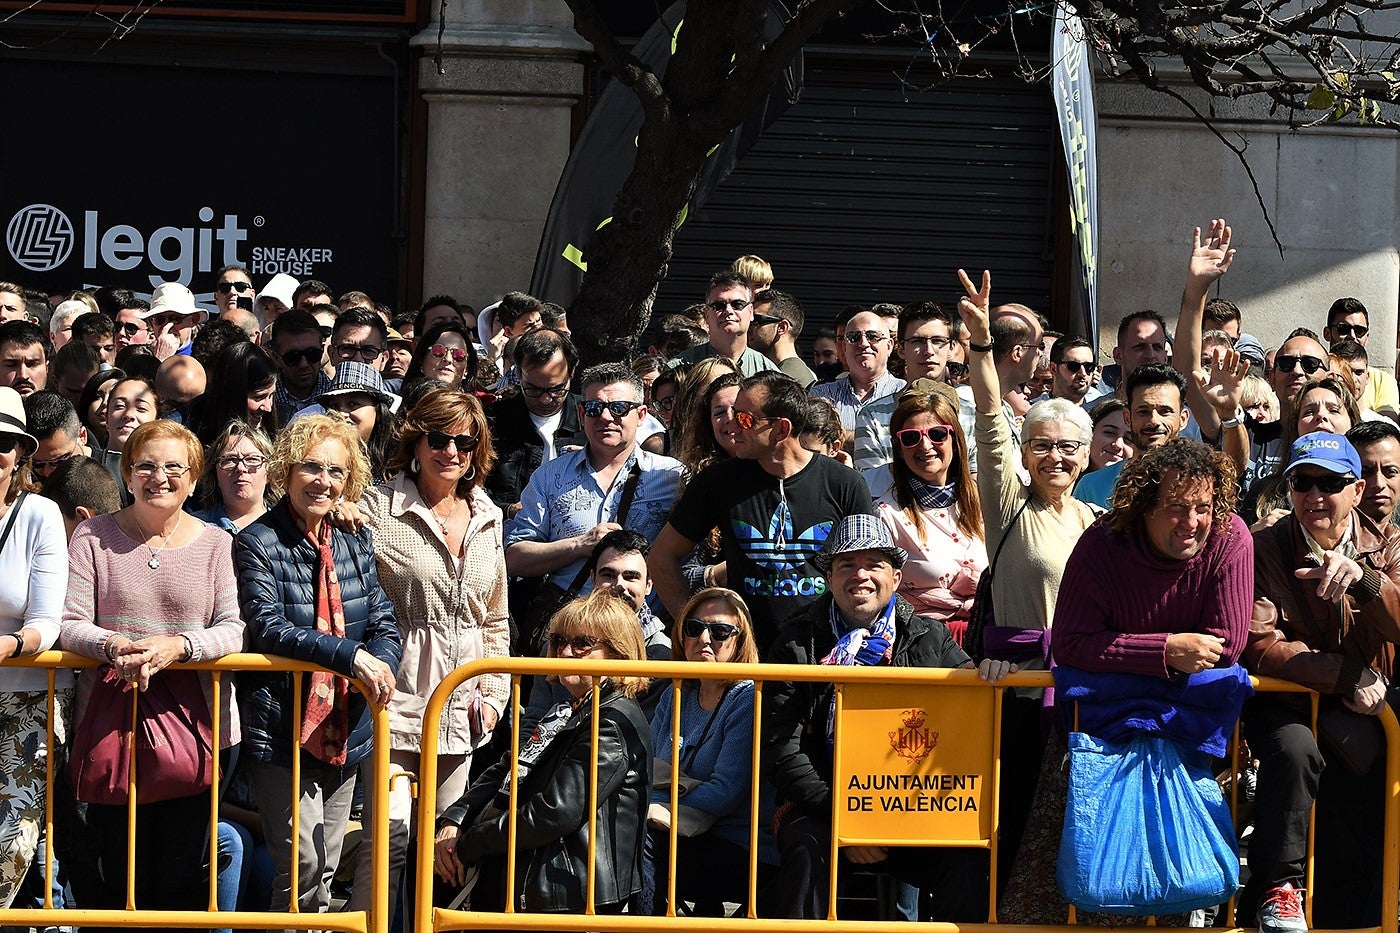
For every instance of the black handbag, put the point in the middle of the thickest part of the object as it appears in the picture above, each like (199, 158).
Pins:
(982, 614)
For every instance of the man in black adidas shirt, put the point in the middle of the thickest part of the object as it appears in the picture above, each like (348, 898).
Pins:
(775, 504)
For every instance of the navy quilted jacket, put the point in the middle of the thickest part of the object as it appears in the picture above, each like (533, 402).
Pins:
(276, 564)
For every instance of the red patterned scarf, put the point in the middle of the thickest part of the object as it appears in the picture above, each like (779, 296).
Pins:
(326, 725)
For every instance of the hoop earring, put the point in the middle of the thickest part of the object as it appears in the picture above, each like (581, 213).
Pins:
(471, 474)
(414, 466)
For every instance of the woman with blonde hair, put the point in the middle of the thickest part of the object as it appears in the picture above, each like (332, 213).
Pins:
(553, 770)
(437, 543)
(932, 510)
(716, 765)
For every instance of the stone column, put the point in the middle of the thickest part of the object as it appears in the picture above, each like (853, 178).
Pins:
(499, 121)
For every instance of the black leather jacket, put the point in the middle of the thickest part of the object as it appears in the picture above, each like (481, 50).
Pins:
(552, 823)
(519, 448)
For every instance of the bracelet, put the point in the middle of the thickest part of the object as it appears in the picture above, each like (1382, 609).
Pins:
(980, 347)
(708, 575)
(189, 647)
(19, 644)
(109, 645)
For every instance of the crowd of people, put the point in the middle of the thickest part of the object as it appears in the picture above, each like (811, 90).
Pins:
(391, 496)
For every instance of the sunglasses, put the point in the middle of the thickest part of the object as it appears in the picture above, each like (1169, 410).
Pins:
(223, 288)
(1078, 366)
(956, 370)
(619, 408)
(665, 404)
(746, 420)
(8, 442)
(1327, 485)
(543, 391)
(719, 631)
(763, 320)
(38, 466)
(857, 337)
(438, 440)
(1288, 363)
(297, 357)
(365, 351)
(733, 304)
(1355, 331)
(131, 328)
(440, 350)
(582, 644)
(937, 434)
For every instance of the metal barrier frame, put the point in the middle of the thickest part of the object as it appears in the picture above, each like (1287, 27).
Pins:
(376, 920)
(430, 919)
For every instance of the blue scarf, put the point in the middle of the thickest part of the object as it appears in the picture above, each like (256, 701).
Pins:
(867, 647)
(930, 496)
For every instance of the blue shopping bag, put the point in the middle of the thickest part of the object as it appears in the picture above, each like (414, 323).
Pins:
(1146, 831)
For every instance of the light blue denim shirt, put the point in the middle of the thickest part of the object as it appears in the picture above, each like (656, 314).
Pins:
(564, 499)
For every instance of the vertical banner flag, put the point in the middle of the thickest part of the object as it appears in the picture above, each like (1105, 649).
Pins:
(606, 150)
(1073, 85)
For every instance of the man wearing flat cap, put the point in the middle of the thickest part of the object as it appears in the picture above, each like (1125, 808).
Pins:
(1327, 616)
(860, 621)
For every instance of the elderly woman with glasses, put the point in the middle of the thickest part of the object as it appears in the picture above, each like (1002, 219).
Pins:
(311, 592)
(716, 766)
(437, 538)
(933, 512)
(552, 806)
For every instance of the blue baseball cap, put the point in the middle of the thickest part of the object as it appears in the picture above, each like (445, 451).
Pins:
(1332, 452)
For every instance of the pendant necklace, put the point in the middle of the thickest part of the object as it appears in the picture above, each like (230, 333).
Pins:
(443, 522)
(154, 562)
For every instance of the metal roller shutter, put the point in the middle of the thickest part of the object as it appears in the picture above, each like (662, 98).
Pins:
(859, 195)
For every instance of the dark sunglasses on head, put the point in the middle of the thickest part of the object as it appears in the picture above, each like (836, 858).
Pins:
(440, 350)
(1287, 363)
(956, 370)
(439, 440)
(297, 357)
(223, 288)
(719, 631)
(1078, 366)
(130, 328)
(937, 434)
(620, 408)
(1328, 485)
(582, 644)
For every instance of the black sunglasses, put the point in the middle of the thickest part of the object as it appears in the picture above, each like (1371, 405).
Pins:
(1287, 363)
(956, 370)
(582, 644)
(223, 288)
(1328, 485)
(1355, 331)
(8, 442)
(438, 440)
(297, 357)
(619, 408)
(131, 328)
(1078, 366)
(719, 631)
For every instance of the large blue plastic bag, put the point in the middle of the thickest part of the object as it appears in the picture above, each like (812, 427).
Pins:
(1146, 831)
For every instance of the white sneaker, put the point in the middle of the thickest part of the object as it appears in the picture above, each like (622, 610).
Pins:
(1281, 911)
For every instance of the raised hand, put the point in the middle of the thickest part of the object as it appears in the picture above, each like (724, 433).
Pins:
(975, 307)
(1223, 384)
(1209, 259)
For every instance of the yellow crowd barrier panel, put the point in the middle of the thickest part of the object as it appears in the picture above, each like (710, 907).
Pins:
(376, 920)
(916, 763)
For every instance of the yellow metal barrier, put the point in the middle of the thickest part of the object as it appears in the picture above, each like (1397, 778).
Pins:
(430, 919)
(376, 920)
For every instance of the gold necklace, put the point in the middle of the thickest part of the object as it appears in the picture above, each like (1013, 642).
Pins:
(444, 522)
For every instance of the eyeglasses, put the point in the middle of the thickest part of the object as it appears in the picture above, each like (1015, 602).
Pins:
(747, 420)
(872, 337)
(1042, 447)
(365, 351)
(955, 369)
(250, 462)
(223, 288)
(619, 408)
(1327, 485)
(131, 328)
(1350, 331)
(665, 404)
(719, 631)
(1288, 363)
(937, 434)
(7, 444)
(146, 469)
(440, 350)
(719, 306)
(313, 469)
(543, 391)
(927, 343)
(1079, 366)
(439, 440)
(581, 644)
(294, 358)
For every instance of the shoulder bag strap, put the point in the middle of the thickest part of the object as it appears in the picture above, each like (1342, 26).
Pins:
(629, 490)
(9, 525)
(991, 568)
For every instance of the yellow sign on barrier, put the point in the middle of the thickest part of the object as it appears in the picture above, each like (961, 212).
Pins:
(915, 763)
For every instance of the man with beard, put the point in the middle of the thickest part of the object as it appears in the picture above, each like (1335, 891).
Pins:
(777, 323)
(24, 357)
(729, 315)
(1073, 359)
(1378, 443)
